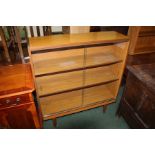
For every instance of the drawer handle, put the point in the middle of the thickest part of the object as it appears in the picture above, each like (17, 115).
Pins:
(7, 101)
(18, 99)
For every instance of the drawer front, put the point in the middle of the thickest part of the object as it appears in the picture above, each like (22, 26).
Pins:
(102, 55)
(144, 44)
(15, 100)
(59, 82)
(98, 94)
(58, 61)
(102, 74)
(61, 102)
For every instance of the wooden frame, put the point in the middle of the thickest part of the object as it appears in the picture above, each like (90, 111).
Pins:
(142, 39)
(4, 43)
(105, 46)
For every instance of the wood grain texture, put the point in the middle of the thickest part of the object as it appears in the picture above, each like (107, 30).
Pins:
(54, 61)
(17, 108)
(82, 108)
(102, 74)
(137, 104)
(145, 44)
(71, 40)
(145, 73)
(61, 102)
(19, 43)
(133, 34)
(4, 43)
(98, 93)
(103, 55)
(98, 76)
(15, 80)
(59, 82)
(142, 39)
(147, 31)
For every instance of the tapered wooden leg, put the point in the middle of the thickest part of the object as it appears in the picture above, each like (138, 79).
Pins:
(55, 122)
(105, 108)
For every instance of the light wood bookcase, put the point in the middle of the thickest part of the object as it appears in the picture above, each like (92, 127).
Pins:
(75, 72)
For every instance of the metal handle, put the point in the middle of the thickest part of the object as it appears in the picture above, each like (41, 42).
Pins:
(18, 99)
(7, 101)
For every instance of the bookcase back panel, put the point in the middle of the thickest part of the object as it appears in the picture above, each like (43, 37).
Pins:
(59, 82)
(98, 93)
(57, 61)
(103, 55)
(102, 74)
(61, 102)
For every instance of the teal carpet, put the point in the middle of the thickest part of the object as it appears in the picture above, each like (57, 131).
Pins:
(92, 119)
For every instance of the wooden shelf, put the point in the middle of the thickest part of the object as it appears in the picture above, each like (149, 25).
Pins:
(59, 82)
(75, 40)
(71, 60)
(98, 93)
(101, 74)
(60, 102)
(56, 62)
(77, 72)
(75, 99)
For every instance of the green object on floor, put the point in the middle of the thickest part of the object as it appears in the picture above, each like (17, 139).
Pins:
(92, 119)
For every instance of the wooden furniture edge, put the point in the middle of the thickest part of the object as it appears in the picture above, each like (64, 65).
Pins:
(77, 69)
(77, 45)
(78, 88)
(79, 109)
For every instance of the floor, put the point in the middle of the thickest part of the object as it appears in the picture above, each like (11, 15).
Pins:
(92, 119)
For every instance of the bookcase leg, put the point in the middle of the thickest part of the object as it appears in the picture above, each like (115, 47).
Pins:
(55, 122)
(105, 108)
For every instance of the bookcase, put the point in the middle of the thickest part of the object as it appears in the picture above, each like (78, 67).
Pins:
(76, 72)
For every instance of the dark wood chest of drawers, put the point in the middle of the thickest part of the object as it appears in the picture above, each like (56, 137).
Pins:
(138, 101)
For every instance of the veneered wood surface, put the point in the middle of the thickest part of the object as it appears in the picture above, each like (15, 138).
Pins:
(102, 89)
(146, 74)
(103, 55)
(137, 105)
(61, 102)
(71, 40)
(102, 74)
(98, 93)
(54, 61)
(15, 80)
(59, 82)
(145, 44)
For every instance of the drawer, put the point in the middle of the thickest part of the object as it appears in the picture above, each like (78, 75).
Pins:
(15, 100)
(102, 74)
(103, 55)
(58, 61)
(59, 82)
(98, 93)
(145, 44)
(61, 102)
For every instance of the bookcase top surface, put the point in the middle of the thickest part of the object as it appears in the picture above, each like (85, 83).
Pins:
(73, 40)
